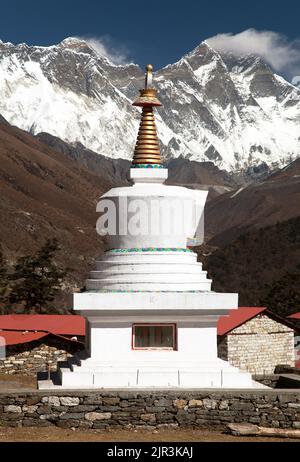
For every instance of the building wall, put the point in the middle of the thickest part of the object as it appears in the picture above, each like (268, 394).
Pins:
(112, 341)
(30, 358)
(150, 409)
(259, 345)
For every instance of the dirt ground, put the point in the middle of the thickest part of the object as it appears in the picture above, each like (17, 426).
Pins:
(9, 382)
(53, 434)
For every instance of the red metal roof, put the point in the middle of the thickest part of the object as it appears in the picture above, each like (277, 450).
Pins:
(15, 337)
(295, 315)
(55, 323)
(236, 318)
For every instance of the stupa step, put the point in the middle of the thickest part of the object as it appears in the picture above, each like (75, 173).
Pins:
(149, 367)
(148, 257)
(125, 270)
(169, 286)
(199, 364)
(136, 376)
(179, 277)
(153, 266)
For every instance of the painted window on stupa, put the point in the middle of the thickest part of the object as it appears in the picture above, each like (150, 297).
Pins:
(154, 336)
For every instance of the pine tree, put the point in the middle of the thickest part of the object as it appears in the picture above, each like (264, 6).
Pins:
(36, 279)
(4, 283)
(283, 295)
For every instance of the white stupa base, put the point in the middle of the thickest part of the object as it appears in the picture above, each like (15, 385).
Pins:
(148, 270)
(84, 374)
(110, 361)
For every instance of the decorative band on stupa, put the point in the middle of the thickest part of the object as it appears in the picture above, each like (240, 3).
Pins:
(149, 249)
(147, 150)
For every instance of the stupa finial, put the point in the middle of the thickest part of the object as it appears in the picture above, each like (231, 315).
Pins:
(147, 151)
(148, 76)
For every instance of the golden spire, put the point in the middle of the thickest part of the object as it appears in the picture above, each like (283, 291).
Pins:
(147, 146)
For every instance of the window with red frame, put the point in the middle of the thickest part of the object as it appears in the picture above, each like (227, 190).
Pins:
(154, 336)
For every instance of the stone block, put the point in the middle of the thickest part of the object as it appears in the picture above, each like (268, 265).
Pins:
(112, 408)
(52, 417)
(210, 403)
(29, 409)
(72, 415)
(240, 406)
(68, 423)
(13, 408)
(92, 416)
(180, 403)
(110, 401)
(82, 408)
(223, 405)
(150, 418)
(101, 425)
(162, 402)
(11, 416)
(264, 406)
(45, 409)
(275, 424)
(32, 400)
(69, 401)
(155, 409)
(164, 417)
(85, 424)
(195, 403)
(53, 401)
(184, 418)
(92, 400)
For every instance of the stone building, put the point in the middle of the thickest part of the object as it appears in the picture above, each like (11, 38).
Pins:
(256, 340)
(295, 318)
(31, 343)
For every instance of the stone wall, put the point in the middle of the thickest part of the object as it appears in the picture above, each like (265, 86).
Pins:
(150, 409)
(30, 358)
(258, 345)
(270, 380)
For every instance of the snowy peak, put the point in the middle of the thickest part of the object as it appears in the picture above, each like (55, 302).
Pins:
(75, 43)
(234, 111)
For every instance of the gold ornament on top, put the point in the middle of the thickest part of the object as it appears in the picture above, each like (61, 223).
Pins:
(147, 150)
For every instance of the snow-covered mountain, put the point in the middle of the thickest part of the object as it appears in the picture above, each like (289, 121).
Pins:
(233, 111)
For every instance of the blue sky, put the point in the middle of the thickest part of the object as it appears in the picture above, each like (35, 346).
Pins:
(151, 31)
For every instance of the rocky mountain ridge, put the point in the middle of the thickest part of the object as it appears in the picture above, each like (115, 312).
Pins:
(234, 112)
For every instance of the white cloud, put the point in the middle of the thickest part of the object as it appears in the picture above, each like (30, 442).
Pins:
(283, 55)
(105, 46)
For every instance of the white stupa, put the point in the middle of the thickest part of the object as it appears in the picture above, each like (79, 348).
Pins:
(151, 317)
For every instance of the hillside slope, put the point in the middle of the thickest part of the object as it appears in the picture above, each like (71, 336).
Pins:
(262, 265)
(198, 175)
(45, 194)
(255, 206)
